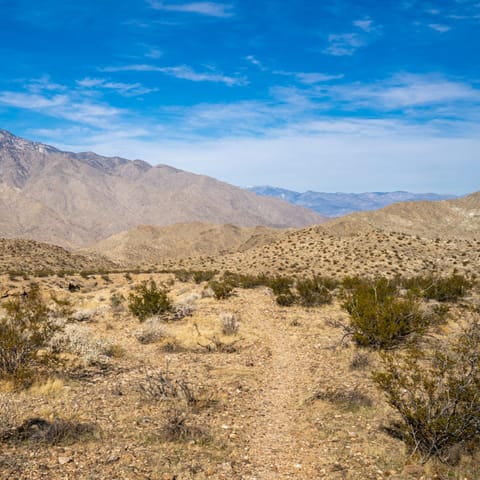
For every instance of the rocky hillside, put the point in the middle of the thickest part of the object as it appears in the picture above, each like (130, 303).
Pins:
(458, 218)
(77, 199)
(147, 245)
(27, 256)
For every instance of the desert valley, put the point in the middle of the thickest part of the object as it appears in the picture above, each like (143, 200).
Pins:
(167, 326)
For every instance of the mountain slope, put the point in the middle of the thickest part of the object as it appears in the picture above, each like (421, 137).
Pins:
(337, 204)
(78, 199)
(147, 245)
(26, 256)
(459, 218)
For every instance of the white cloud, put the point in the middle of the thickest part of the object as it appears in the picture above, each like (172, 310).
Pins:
(211, 9)
(183, 72)
(31, 101)
(125, 89)
(327, 155)
(254, 61)
(343, 44)
(408, 90)
(365, 24)
(439, 27)
(312, 77)
(62, 106)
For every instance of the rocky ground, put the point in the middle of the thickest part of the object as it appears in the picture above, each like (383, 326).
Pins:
(281, 398)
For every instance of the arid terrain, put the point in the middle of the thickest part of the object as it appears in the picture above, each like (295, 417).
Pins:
(208, 350)
(281, 397)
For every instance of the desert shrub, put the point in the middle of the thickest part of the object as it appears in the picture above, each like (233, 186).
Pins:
(182, 310)
(437, 394)
(281, 285)
(360, 360)
(285, 299)
(160, 385)
(148, 301)
(230, 323)
(442, 289)
(379, 318)
(116, 302)
(200, 276)
(314, 291)
(182, 275)
(25, 330)
(78, 339)
(152, 331)
(221, 289)
(177, 426)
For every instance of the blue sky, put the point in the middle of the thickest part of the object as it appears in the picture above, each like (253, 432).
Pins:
(334, 95)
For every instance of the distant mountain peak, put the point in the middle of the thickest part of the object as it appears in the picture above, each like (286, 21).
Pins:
(339, 204)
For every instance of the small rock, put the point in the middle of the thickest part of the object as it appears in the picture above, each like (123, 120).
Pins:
(64, 460)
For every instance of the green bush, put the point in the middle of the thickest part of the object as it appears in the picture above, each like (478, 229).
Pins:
(314, 291)
(442, 289)
(379, 318)
(222, 289)
(437, 395)
(25, 330)
(148, 301)
(200, 276)
(281, 285)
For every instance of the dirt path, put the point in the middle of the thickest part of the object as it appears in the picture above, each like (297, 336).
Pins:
(279, 442)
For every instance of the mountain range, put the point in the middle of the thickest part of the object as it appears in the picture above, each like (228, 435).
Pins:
(77, 199)
(338, 204)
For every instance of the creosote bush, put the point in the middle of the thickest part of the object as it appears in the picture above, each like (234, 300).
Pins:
(221, 289)
(437, 394)
(379, 317)
(148, 300)
(316, 291)
(442, 289)
(26, 329)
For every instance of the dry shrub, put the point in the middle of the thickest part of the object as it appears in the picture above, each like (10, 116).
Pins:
(77, 339)
(230, 323)
(437, 394)
(152, 331)
(25, 330)
(160, 385)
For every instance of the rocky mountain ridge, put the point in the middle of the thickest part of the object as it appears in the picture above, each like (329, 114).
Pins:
(77, 199)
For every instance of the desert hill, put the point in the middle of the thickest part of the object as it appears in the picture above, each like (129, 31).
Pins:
(26, 256)
(458, 218)
(147, 245)
(315, 251)
(77, 199)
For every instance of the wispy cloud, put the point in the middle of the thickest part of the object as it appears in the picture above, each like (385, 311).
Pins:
(183, 72)
(210, 9)
(32, 101)
(407, 90)
(254, 61)
(365, 24)
(124, 89)
(65, 107)
(310, 78)
(439, 27)
(343, 44)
